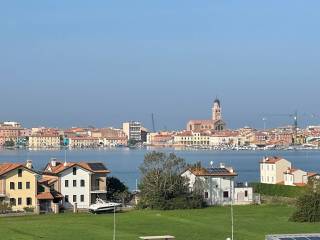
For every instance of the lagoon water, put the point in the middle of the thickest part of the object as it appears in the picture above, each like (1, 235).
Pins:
(124, 163)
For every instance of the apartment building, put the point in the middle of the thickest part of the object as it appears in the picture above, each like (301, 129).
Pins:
(113, 137)
(44, 140)
(83, 142)
(80, 183)
(18, 185)
(189, 138)
(272, 170)
(132, 130)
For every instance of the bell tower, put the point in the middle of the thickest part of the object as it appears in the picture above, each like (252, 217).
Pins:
(216, 110)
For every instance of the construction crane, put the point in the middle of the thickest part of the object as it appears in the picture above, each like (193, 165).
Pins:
(294, 117)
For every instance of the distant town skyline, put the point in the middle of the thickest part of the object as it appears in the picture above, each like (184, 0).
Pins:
(76, 63)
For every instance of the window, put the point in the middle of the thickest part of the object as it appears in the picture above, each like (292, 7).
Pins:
(66, 183)
(19, 201)
(206, 195)
(82, 183)
(12, 185)
(225, 194)
(66, 198)
(246, 193)
(82, 198)
(74, 171)
(27, 185)
(74, 183)
(29, 201)
(19, 172)
(74, 198)
(12, 201)
(19, 185)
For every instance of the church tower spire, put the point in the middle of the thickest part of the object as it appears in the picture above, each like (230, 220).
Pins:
(216, 110)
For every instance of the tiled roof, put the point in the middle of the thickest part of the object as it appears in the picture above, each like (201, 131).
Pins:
(7, 167)
(92, 167)
(213, 172)
(49, 195)
(271, 160)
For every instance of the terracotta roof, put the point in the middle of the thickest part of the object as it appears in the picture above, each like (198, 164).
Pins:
(271, 160)
(60, 167)
(49, 195)
(291, 170)
(7, 167)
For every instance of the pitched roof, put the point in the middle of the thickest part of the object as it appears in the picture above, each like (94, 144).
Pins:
(271, 160)
(95, 167)
(213, 172)
(8, 167)
(49, 195)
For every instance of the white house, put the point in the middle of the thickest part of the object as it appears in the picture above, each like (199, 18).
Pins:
(272, 169)
(217, 185)
(80, 182)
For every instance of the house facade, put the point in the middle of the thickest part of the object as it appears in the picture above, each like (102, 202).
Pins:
(80, 183)
(272, 170)
(18, 185)
(218, 185)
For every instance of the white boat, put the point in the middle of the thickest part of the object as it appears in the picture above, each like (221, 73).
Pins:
(102, 206)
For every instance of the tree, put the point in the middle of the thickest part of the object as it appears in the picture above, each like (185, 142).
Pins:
(162, 186)
(117, 190)
(308, 205)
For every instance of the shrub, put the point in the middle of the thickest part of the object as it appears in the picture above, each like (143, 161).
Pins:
(308, 208)
(278, 190)
(28, 209)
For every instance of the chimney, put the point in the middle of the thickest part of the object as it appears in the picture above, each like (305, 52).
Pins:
(65, 163)
(53, 162)
(29, 164)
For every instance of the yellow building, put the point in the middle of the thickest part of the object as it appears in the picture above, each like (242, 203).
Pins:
(18, 185)
(44, 141)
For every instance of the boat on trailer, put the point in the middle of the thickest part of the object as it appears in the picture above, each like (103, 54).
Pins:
(101, 206)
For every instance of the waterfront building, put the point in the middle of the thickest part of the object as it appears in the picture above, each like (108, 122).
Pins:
(18, 185)
(216, 122)
(272, 170)
(190, 138)
(9, 131)
(113, 137)
(161, 138)
(80, 183)
(227, 138)
(218, 185)
(83, 142)
(44, 139)
(132, 130)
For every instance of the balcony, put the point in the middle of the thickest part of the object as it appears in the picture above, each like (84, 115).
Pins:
(2, 194)
(98, 190)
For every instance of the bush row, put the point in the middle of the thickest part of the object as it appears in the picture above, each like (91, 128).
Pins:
(278, 190)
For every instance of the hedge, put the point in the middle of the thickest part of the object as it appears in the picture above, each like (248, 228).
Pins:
(278, 190)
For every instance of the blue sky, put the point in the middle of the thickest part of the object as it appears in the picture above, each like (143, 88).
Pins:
(66, 63)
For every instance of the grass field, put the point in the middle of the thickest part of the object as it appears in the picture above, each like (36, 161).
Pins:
(251, 223)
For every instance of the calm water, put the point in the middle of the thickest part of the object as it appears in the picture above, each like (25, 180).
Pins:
(124, 163)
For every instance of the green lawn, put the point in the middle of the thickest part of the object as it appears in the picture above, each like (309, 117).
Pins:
(251, 222)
